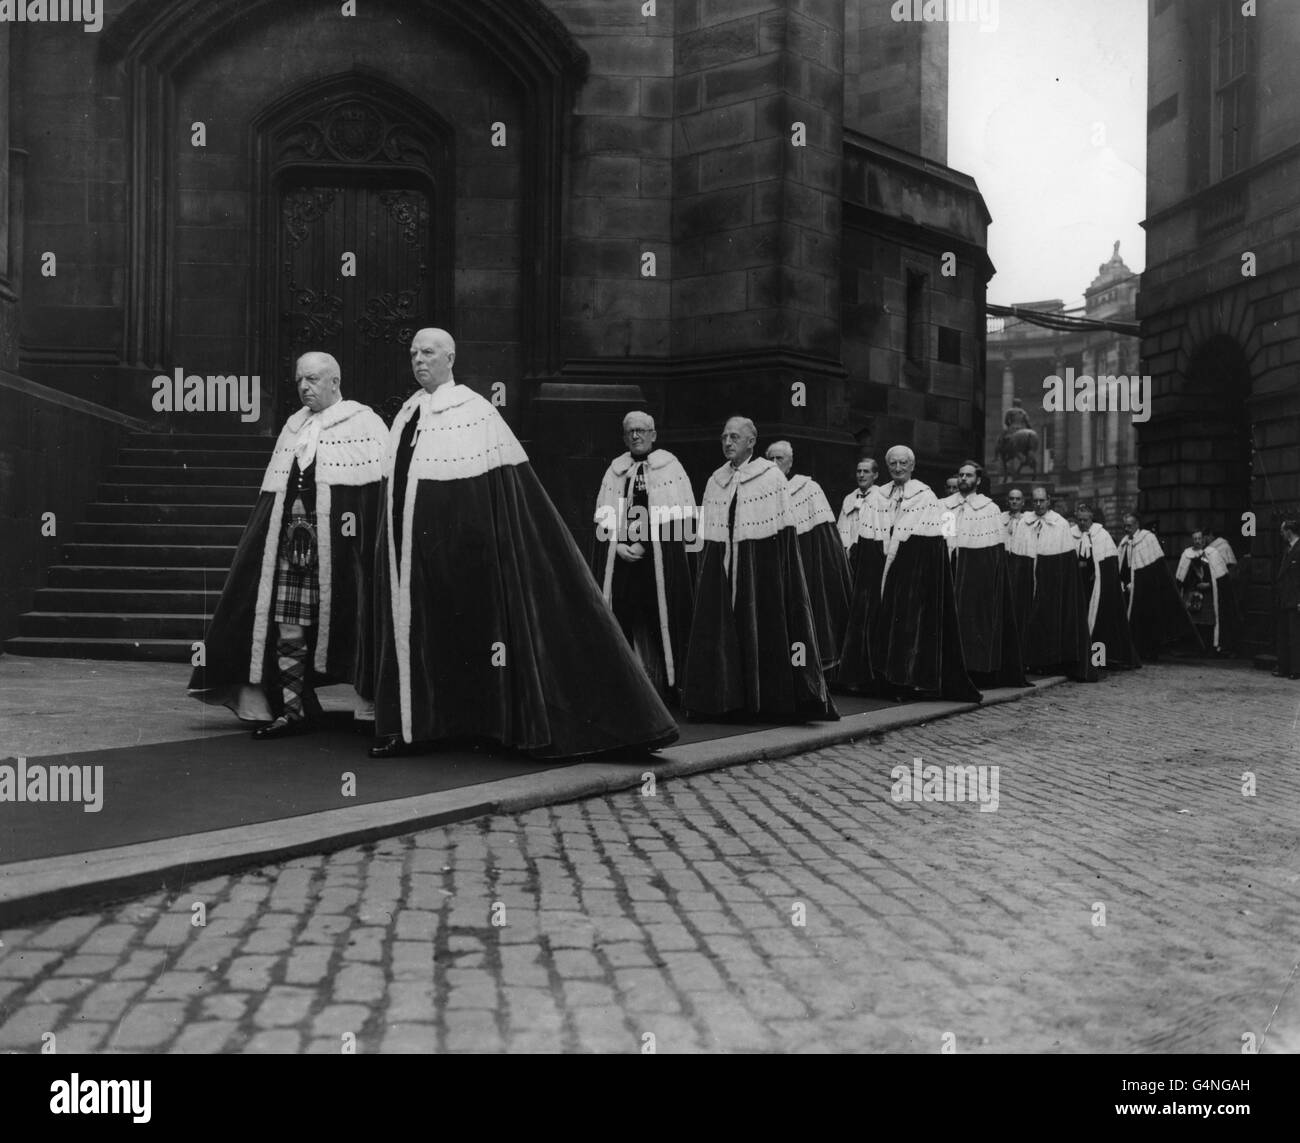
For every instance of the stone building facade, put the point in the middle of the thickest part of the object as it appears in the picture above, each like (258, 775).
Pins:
(1083, 456)
(699, 207)
(1220, 297)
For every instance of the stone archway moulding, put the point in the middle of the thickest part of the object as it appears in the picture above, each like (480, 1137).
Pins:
(155, 39)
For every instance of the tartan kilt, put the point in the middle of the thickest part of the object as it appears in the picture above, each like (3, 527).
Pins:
(296, 597)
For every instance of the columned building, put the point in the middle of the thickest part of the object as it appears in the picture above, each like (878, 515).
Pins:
(694, 207)
(1220, 297)
(1083, 456)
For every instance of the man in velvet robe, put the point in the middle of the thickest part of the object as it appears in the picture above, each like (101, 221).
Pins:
(903, 635)
(490, 624)
(645, 529)
(1208, 594)
(825, 566)
(295, 611)
(990, 638)
(1103, 599)
(753, 647)
(1156, 616)
(1045, 574)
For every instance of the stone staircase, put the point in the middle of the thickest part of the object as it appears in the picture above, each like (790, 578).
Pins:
(144, 571)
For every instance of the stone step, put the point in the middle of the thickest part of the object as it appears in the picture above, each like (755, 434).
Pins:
(242, 494)
(192, 475)
(189, 458)
(239, 442)
(152, 555)
(122, 650)
(126, 600)
(110, 625)
(156, 514)
(102, 577)
(142, 535)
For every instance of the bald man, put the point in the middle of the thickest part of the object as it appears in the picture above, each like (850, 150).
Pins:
(645, 531)
(903, 638)
(295, 611)
(753, 647)
(490, 626)
(825, 566)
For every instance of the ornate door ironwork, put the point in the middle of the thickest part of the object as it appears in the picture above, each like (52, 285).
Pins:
(366, 319)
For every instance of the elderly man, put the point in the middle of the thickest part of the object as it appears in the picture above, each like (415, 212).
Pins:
(491, 625)
(645, 527)
(825, 566)
(1156, 615)
(1045, 572)
(903, 635)
(1103, 599)
(1014, 514)
(848, 520)
(1208, 593)
(990, 638)
(1286, 600)
(753, 645)
(296, 606)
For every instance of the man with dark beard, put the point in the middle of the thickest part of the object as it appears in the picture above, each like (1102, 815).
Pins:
(645, 524)
(490, 624)
(903, 637)
(1103, 599)
(990, 639)
(1044, 569)
(753, 645)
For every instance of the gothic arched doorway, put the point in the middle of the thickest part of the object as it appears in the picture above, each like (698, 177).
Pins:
(356, 234)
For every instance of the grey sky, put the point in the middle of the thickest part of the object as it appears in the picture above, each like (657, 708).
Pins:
(1047, 110)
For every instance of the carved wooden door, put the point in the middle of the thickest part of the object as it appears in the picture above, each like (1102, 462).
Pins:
(354, 280)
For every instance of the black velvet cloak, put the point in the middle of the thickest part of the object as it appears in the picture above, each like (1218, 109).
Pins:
(1102, 598)
(825, 567)
(1054, 632)
(753, 645)
(1156, 616)
(240, 648)
(911, 638)
(653, 599)
(490, 624)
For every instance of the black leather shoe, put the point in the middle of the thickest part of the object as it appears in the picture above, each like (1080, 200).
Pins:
(391, 748)
(282, 728)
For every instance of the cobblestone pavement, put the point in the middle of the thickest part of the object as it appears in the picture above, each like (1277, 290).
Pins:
(591, 926)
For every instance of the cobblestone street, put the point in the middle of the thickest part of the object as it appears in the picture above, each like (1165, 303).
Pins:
(789, 906)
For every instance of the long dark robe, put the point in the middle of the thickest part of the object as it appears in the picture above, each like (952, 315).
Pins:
(906, 636)
(1054, 635)
(826, 571)
(990, 636)
(495, 572)
(867, 560)
(1111, 626)
(634, 593)
(1156, 616)
(350, 654)
(740, 659)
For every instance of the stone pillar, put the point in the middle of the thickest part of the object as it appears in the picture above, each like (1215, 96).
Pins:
(1008, 386)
